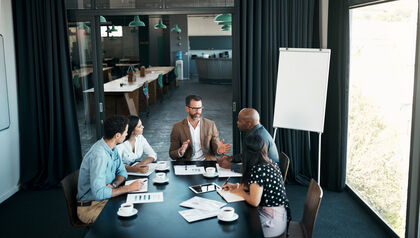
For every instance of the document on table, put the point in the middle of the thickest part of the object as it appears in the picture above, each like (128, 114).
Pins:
(224, 173)
(152, 167)
(202, 204)
(229, 197)
(144, 197)
(192, 215)
(188, 170)
(143, 188)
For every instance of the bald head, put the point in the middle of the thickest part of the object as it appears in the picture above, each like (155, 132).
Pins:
(248, 118)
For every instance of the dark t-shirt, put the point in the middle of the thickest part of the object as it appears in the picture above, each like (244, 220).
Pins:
(274, 192)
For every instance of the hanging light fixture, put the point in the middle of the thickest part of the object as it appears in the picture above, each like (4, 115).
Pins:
(83, 26)
(160, 25)
(113, 29)
(225, 23)
(102, 19)
(226, 28)
(136, 22)
(176, 28)
(223, 17)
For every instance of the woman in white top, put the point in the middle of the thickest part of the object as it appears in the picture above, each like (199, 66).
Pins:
(134, 146)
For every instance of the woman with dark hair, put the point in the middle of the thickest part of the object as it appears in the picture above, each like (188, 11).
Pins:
(134, 146)
(262, 186)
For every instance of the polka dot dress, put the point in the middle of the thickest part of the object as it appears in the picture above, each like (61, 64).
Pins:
(274, 192)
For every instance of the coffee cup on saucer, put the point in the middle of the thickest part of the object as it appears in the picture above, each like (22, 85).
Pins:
(160, 177)
(126, 208)
(227, 214)
(161, 165)
(210, 171)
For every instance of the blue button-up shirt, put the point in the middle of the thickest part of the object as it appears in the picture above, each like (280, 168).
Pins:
(99, 167)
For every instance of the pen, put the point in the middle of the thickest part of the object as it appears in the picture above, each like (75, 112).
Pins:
(226, 181)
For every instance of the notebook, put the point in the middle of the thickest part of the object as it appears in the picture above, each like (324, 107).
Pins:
(229, 197)
(152, 167)
(143, 188)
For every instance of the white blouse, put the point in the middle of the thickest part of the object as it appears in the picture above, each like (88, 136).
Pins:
(140, 146)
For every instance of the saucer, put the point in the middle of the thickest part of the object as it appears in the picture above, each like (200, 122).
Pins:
(161, 181)
(210, 176)
(233, 218)
(134, 212)
(164, 169)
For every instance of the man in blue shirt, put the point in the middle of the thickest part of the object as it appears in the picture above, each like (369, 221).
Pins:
(102, 172)
(249, 121)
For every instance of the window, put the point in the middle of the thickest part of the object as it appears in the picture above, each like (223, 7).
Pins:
(382, 57)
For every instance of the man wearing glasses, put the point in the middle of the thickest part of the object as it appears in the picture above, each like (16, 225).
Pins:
(195, 138)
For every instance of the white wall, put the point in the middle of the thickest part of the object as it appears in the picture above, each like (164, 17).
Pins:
(9, 138)
(205, 26)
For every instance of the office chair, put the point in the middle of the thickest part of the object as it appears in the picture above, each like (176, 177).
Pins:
(305, 227)
(69, 184)
(284, 165)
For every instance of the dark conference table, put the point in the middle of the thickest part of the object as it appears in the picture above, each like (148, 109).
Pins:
(162, 219)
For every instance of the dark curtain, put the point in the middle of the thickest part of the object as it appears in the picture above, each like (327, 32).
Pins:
(265, 26)
(48, 129)
(334, 139)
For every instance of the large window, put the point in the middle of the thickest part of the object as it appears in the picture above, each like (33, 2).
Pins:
(382, 53)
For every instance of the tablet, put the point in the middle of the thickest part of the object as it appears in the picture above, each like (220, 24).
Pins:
(204, 188)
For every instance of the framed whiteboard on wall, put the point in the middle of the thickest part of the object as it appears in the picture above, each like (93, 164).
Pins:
(301, 92)
(4, 102)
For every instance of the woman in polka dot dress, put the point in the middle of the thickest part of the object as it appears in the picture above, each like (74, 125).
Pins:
(262, 186)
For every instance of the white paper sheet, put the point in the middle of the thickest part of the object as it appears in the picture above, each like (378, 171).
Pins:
(224, 173)
(152, 167)
(192, 215)
(143, 188)
(202, 204)
(229, 197)
(144, 197)
(188, 170)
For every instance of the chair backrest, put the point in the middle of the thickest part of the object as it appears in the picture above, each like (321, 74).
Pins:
(69, 185)
(160, 81)
(284, 165)
(310, 210)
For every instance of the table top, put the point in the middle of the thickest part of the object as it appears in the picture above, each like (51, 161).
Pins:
(114, 86)
(126, 64)
(163, 220)
(83, 72)
(162, 69)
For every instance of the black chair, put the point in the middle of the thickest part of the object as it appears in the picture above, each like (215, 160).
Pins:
(305, 227)
(284, 165)
(69, 184)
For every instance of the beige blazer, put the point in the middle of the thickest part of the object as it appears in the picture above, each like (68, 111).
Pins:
(209, 139)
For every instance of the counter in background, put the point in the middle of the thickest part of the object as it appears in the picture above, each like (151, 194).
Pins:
(214, 70)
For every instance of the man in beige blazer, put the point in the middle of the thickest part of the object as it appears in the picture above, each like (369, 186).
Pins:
(195, 138)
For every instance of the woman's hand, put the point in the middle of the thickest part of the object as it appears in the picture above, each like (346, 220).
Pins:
(230, 186)
(142, 168)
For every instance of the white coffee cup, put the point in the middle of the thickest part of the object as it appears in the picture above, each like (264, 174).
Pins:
(126, 208)
(161, 165)
(227, 212)
(210, 170)
(160, 176)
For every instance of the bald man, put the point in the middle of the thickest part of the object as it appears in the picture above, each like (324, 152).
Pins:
(249, 122)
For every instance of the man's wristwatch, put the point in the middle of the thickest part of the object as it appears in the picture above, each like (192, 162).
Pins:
(114, 185)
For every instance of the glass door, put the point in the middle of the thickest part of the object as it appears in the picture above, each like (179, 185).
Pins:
(84, 79)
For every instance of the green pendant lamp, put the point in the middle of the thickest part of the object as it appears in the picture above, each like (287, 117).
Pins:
(113, 29)
(83, 27)
(225, 23)
(176, 28)
(102, 19)
(223, 17)
(136, 22)
(226, 28)
(160, 25)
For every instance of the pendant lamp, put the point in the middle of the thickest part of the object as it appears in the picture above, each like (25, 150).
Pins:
(160, 25)
(223, 17)
(136, 22)
(176, 28)
(102, 19)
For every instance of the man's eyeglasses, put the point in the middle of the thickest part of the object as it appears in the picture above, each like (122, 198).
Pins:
(196, 108)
